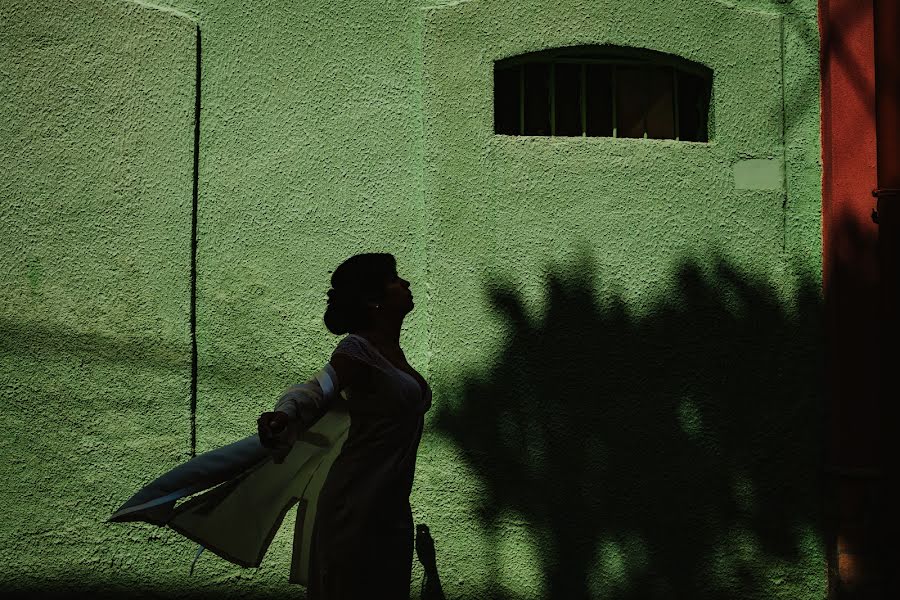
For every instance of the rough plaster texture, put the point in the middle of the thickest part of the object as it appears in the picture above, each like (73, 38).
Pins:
(95, 209)
(606, 324)
(583, 259)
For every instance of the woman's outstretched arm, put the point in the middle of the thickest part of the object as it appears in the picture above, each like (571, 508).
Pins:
(300, 406)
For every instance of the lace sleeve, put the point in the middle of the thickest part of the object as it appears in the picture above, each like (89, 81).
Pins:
(307, 402)
(354, 347)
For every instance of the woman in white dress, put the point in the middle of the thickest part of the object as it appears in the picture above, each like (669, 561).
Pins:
(362, 540)
(341, 447)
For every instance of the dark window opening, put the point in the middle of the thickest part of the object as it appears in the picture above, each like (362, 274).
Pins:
(598, 98)
(567, 99)
(602, 92)
(537, 94)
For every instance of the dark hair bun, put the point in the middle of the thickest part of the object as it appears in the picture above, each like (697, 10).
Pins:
(358, 280)
(338, 314)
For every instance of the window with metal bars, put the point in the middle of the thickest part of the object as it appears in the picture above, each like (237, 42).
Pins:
(602, 91)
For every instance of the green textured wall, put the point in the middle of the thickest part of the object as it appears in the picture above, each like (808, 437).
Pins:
(95, 209)
(623, 338)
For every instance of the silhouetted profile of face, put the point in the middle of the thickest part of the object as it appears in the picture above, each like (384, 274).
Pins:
(397, 299)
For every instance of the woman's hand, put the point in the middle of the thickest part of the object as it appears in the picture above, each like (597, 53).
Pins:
(275, 433)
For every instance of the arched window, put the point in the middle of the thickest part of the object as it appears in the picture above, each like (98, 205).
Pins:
(602, 91)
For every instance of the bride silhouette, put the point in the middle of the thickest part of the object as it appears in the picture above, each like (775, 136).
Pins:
(341, 447)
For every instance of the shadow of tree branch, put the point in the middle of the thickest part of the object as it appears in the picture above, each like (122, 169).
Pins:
(672, 453)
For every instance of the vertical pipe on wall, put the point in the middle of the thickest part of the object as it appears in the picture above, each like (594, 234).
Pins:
(194, 205)
(784, 157)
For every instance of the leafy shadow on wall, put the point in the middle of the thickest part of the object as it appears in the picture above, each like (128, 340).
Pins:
(674, 454)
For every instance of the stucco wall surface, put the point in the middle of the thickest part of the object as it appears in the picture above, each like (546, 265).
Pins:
(96, 143)
(623, 343)
(610, 318)
(310, 153)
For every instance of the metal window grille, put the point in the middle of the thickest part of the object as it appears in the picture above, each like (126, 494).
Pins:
(650, 95)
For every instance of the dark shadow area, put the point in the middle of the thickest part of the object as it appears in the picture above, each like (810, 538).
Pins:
(860, 314)
(32, 339)
(426, 554)
(679, 449)
(72, 590)
(49, 341)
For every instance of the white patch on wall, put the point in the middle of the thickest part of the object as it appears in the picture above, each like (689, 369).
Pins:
(758, 174)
